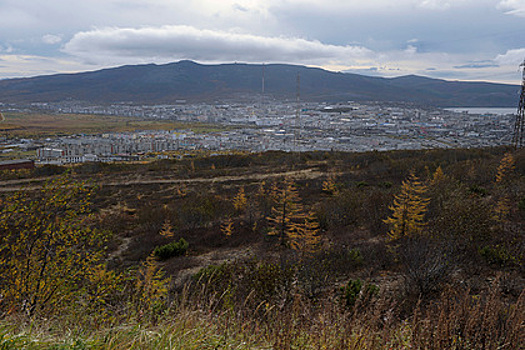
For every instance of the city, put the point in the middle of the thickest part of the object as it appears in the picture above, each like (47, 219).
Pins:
(269, 125)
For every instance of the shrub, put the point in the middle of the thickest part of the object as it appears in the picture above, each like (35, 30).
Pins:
(478, 190)
(498, 255)
(246, 282)
(354, 290)
(170, 250)
(361, 184)
(521, 204)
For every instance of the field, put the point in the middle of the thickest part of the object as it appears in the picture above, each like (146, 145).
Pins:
(37, 125)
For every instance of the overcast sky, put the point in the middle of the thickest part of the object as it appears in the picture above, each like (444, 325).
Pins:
(449, 39)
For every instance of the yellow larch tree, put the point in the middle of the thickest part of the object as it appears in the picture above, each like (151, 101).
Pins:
(505, 167)
(227, 227)
(438, 176)
(240, 201)
(287, 212)
(306, 237)
(167, 229)
(408, 209)
(330, 186)
(502, 200)
(151, 285)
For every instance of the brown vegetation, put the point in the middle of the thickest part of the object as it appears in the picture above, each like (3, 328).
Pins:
(452, 279)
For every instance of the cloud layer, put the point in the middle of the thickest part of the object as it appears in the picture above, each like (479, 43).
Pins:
(185, 42)
(456, 39)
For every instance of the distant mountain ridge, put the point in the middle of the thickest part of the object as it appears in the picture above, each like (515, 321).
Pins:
(191, 81)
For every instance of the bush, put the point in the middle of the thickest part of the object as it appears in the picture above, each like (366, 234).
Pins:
(498, 255)
(521, 205)
(170, 250)
(354, 290)
(246, 282)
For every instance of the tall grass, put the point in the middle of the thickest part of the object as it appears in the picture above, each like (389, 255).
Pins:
(200, 320)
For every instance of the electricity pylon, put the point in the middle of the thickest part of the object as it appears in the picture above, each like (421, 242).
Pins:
(517, 138)
(297, 131)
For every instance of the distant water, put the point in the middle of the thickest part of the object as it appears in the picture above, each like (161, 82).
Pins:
(484, 110)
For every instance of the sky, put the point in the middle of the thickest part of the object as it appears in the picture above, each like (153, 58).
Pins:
(476, 40)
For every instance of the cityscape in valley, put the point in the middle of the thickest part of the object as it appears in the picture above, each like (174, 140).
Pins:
(272, 125)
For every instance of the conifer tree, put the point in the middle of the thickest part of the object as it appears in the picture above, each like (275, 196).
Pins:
(502, 208)
(167, 230)
(438, 176)
(227, 227)
(240, 201)
(408, 209)
(505, 167)
(287, 212)
(306, 238)
(151, 285)
(330, 186)
(502, 199)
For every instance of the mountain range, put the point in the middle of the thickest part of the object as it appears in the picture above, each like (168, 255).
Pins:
(187, 80)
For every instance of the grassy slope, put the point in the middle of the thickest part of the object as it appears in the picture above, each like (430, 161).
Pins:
(136, 212)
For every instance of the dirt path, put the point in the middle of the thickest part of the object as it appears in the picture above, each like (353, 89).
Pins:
(212, 258)
(27, 184)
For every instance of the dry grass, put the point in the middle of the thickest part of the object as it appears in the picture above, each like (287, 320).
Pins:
(39, 125)
(197, 320)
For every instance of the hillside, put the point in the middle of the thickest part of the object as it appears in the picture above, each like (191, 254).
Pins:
(196, 82)
(187, 254)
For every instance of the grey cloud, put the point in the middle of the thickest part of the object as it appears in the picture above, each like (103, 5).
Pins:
(239, 8)
(476, 66)
(184, 42)
(513, 7)
(51, 39)
(513, 57)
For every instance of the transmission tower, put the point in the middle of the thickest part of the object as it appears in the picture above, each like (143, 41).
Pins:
(297, 133)
(517, 139)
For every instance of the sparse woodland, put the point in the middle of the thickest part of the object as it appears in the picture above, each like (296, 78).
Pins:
(322, 250)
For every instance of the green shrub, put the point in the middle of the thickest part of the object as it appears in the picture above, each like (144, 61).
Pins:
(170, 250)
(386, 184)
(497, 255)
(356, 257)
(361, 184)
(521, 204)
(478, 190)
(353, 290)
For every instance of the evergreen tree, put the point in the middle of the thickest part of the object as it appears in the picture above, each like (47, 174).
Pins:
(506, 166)
(305, 238)
(167, 230)
(502, 198)
(287, 212)
(227, 227)
(240, 201)
(330, 186)
(408, 209)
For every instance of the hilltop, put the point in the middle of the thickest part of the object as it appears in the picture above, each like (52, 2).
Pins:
(191, 81)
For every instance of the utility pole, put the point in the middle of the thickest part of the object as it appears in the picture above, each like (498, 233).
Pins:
(519, 129)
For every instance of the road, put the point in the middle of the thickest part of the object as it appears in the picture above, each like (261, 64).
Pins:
(36, 184)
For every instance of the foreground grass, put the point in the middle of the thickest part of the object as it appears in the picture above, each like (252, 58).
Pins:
(457, 321)
(182, 332)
